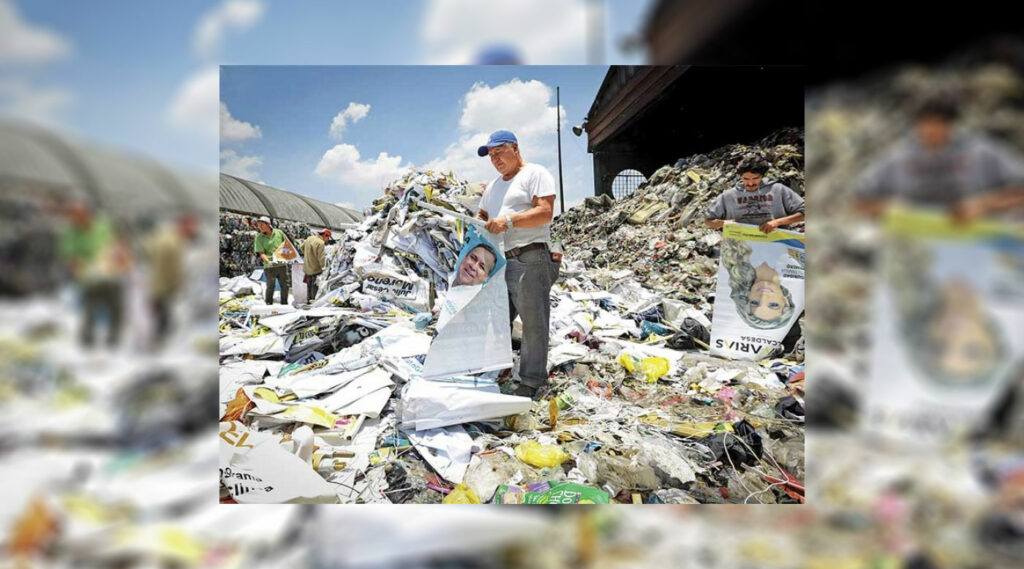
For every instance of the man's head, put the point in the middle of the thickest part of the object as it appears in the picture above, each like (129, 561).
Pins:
(752, 170)
(476, 267)
(503, 149)
(263, 225)
(80, 214)
(325, 234)
(933, 121)
(188, 224)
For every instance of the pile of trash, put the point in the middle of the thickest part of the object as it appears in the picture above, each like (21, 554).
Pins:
(658, 232)
(237, 234)
(850, 125)
(325, 403)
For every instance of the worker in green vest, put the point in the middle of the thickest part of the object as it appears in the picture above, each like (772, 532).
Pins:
(266, 243)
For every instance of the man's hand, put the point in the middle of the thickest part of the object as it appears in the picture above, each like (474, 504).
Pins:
(263, 256)
(481, 214)
(497, 225)
(769, 226)
(717, 223)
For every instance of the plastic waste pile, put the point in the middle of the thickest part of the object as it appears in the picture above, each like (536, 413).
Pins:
(237, 233)
(638, 412)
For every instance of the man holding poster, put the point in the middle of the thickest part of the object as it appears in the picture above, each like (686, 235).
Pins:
(519, 202)
(768, 205)
(266, 244)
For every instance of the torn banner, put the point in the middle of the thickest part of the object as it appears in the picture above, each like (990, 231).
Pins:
(950, 324)
(473, 329)
(760, 291)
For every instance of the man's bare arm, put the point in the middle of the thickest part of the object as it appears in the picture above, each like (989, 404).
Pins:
(540, 214)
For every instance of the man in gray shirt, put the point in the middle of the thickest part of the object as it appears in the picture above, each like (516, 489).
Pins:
(965, 173)
(756, 201)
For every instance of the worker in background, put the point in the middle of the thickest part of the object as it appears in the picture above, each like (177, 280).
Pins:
(519, 202)
(756, 200)
(938, 166)
(266, 243)
(314, 259)
(166, 251)
(98, 262)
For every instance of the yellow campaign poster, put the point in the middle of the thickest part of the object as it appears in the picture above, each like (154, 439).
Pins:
(760, 293)
(286, 253)
(949, 324)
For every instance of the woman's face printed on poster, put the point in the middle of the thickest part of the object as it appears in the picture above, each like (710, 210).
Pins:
(961, 340)
(766, 299)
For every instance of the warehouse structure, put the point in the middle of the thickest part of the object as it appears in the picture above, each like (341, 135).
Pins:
(37, 162)
(41, 172)
(253, 198)
(646, 117)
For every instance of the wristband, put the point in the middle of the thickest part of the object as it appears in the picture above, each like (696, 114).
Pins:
(508, 220)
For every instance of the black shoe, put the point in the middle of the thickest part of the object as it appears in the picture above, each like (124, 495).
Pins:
(525, 391)
(541, 393)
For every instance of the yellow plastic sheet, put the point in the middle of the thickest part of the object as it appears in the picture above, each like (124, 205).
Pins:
(541, 456)
(461, 495)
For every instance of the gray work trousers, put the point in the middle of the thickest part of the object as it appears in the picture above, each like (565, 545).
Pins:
(283, 275)
(529, 277)
(311, 288)
(103, 297)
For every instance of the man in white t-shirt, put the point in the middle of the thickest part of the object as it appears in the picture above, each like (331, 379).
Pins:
(519, 202)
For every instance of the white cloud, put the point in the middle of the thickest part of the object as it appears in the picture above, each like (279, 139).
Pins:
(26, 101)
(515, 105)
(195, 106)
(242, 166)
(540, 31)
(354, 113)
(524, 107)
(23, 43)
(234, 129)
(342, 164)
(232, 14)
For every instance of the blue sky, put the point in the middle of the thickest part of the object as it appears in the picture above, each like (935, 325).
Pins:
(142, 76)
(416, 113)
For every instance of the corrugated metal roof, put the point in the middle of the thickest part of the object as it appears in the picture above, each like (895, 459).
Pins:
(337, 215)
(126, 184)
(26, 157)
(286, 205)
(253, 198)
(130, 186)
(202, 189)
(236, 196)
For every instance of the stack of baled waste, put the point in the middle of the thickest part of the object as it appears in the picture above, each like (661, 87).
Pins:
(237, 233)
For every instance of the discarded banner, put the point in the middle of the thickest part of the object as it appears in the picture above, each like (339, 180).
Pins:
(256, 470)
(760, 291)
(473, 330)
(949, 315)
(389, 285)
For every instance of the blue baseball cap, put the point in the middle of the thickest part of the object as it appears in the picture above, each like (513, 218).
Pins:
(498, 138)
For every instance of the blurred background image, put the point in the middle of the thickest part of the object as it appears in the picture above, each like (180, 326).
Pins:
(108, 132)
